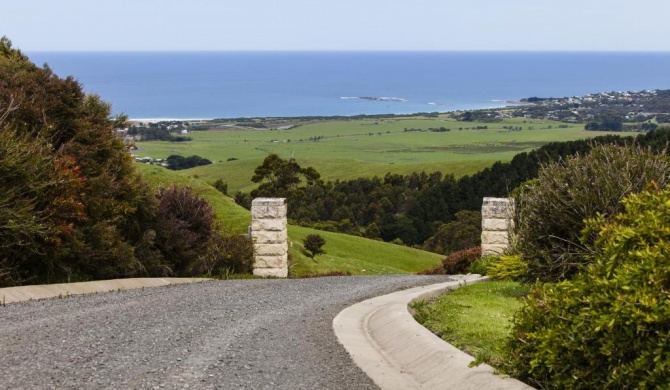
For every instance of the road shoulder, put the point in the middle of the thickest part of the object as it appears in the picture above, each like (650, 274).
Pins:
(43, 291)
(397, 352)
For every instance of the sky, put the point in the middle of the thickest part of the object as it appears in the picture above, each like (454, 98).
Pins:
(335, 25)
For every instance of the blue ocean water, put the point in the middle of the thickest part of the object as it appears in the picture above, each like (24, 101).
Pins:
(246, 84)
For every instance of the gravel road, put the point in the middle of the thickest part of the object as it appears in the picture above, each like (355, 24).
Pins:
(250, 334)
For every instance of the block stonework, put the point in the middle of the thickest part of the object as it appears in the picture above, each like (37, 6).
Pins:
(269, 261)
(497, 238)
(269, 237)
(268, 225)
(497, 224)
(497, 208)
(269, 208)
(268, 231)
(271, 249)
(273, 272)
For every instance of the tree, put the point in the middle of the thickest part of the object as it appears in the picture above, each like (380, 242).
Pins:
(67, 129)
(177, 162)
(221, 186)
(40, 203)
(281, 178)
(465, 232)
(314, 244)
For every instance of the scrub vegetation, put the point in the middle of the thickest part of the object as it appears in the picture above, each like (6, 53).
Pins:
(596, 313)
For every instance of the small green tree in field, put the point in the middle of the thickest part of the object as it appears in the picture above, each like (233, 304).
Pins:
(314, 244)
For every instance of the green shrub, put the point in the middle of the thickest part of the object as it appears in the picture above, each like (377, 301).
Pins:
(465, 232)
(481, 265)
(551, 210)
(226, 254)
(184, 228)
(511, 267)
(610, 326)
(40, 202)
(459, 261)
(177, 162)
(314, 244)
(221, 186)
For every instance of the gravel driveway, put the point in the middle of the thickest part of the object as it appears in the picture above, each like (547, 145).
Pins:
(251, 334)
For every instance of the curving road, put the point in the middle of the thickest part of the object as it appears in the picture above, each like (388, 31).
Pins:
(236, 334)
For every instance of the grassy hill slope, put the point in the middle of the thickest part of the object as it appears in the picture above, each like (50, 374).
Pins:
(355, 255)
(234, 218)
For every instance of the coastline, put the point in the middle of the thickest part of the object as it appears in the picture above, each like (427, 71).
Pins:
(504, 103)
(158, 119)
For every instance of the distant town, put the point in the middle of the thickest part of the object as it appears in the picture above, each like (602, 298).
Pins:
(606, 111)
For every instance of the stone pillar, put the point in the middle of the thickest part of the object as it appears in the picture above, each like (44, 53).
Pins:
(497, 224)
(268, 231)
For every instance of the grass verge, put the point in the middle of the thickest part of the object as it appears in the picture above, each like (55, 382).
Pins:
(474, 318)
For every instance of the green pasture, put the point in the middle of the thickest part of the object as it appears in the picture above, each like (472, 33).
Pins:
(348, 149)
(346, 254)
(356, 255)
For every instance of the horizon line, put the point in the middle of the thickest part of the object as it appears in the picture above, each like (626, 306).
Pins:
(550, 51)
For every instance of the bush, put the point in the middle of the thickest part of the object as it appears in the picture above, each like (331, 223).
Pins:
(481, 265)
(226, 254)
(242, 199)
(439, 270)
(177, 162)
(221, 186)
(511, 267)
(314, 244)
(551, 210)
(459, 261)
(465, 232)
(610, 326)
(184, 228)
(40, 202)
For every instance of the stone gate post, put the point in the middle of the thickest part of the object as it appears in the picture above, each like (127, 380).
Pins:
(497, 224)
(268, 232)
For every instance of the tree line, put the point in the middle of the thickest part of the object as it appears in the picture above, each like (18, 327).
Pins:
(419, 209)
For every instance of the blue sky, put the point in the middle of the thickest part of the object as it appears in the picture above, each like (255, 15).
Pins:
(132, 25)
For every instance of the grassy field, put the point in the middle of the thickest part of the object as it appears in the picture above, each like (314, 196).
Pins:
(356, 255)
(474, 318)
(346, 254)
(348, 149)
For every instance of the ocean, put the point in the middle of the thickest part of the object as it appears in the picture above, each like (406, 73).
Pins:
(207, 85)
